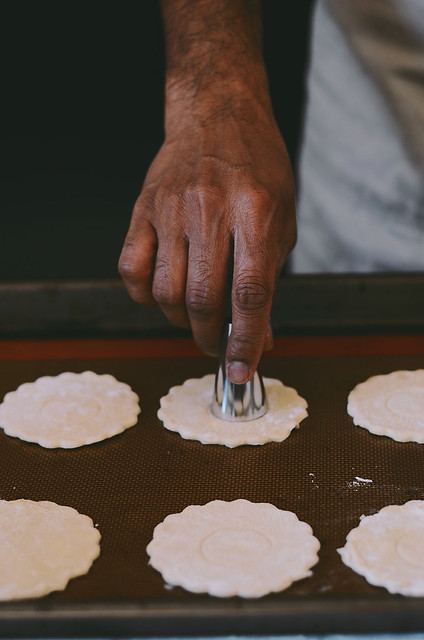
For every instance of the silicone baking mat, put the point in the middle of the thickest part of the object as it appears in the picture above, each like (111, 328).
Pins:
(328, 472)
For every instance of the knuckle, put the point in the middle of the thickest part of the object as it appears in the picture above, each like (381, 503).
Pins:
(200, 301)
(172, 201)
(131, 269)
(136, 281)
(166, 295)
(165, 290)
(251, 294)
(126, 268)
(254, 200)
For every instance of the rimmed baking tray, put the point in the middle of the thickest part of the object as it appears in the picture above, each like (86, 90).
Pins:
(129, 483)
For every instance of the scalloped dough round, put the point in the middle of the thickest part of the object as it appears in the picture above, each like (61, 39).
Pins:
(186, 410)
(42, 546)
(390, 405)
(388, 548)
(69, 410)
(237, 548)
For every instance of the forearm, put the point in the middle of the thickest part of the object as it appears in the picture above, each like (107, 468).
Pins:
(213, 50)
(218, 198)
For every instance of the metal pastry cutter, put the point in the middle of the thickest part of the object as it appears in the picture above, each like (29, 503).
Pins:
(237, 402)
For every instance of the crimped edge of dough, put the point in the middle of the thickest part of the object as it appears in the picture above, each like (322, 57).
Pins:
(215, 439)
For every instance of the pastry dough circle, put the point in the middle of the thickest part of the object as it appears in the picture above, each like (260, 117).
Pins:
(186, 410)
(237, 548)
(69, 410)
(388, 548)
(42, 546)
(390, 405)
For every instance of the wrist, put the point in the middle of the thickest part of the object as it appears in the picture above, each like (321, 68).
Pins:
(228, 98)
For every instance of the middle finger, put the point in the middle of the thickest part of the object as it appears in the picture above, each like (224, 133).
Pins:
(206, 293)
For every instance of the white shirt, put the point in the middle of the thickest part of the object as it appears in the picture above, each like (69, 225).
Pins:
(361, 173)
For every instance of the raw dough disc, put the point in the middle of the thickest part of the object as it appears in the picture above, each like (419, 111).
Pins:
(390, 405)
(233, 548)
(69, 410)
(186, 410)
(388, 548)
(42, 546)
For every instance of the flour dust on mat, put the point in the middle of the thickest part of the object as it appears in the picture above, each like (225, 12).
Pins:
(42, 546)
(237, 548)
(387, 548)
(186, 410)
(69, 410)
(390, 405)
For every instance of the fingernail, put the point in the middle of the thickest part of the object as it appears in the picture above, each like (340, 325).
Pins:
(238, 372)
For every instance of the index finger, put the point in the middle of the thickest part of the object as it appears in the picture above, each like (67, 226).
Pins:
(251, 300)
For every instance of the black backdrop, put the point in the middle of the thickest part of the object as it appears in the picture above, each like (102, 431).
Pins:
(82, 96)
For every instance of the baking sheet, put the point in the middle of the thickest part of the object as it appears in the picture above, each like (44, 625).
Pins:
(129, 483)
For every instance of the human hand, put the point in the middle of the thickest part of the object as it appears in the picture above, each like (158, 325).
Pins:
(219, 195)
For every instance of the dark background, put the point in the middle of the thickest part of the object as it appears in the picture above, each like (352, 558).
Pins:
(82, 96)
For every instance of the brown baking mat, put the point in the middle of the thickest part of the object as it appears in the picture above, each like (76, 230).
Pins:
(129, 483)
